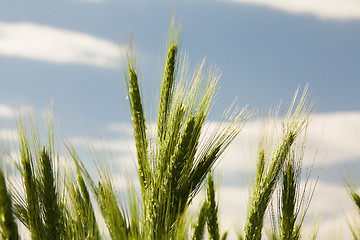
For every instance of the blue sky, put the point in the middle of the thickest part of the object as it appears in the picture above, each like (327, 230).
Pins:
(69, 52)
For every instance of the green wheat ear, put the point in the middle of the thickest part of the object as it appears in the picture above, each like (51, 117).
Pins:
(352, 188)
(212, 211)
(166, 91)
(224, 236)
(9, 229)
(294, 195)
(41, 207)
(138, 121)
(288, 200)
(199, 229)
(31, 189)
(49, 197)
(294, 200)
(85, 218)
(269, 170)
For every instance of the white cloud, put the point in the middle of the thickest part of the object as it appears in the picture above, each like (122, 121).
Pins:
(9, 134)
(332, 228)
(327, 198)
(8, 112)
(327, 9)
(49, 44)
(334, 136)
(337, 136)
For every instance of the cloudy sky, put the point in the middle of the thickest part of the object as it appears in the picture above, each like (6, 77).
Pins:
(69, 53)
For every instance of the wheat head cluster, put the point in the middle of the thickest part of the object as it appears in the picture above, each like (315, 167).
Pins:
(174, 164)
